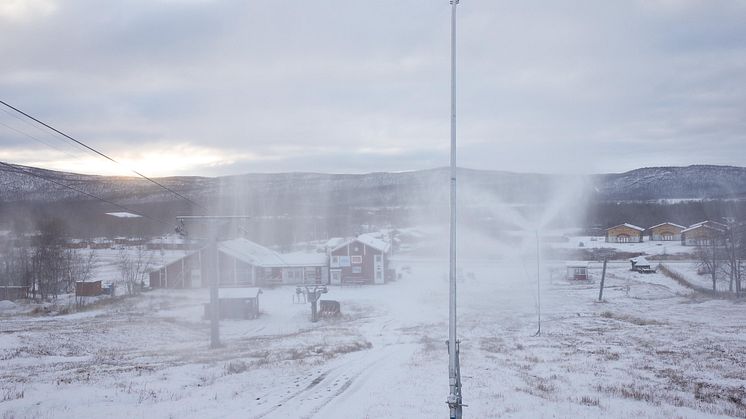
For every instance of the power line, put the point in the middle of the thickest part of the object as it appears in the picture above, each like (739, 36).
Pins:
(25, 121)
(87, 147)
(102, 154)
(36, 139)
(16, 169)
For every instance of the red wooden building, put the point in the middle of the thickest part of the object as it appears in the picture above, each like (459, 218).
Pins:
(359, 260)
(577, 270)
(241, 262)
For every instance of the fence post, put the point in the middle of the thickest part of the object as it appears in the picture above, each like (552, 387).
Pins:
(603, 277)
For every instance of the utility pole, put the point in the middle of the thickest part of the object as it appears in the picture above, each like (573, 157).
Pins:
(313, 296)
(215, 280)
(454, 400)
(603, 277)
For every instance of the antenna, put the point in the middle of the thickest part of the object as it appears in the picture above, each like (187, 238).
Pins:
(454, 400)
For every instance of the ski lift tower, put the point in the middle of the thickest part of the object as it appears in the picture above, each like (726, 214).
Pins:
(454, 400)
(214, 281)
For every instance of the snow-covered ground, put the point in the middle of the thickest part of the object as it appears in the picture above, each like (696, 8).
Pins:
(689, 271)
(106, 261)
(648, 247)
(651, 349)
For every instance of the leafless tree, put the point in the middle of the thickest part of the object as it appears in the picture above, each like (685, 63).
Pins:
(48, 267)
(80, 266)
(734, 255)
(49, 260)
(710, 257)
(15, 265)
(133, 267)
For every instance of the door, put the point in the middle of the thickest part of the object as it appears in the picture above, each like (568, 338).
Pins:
(378, 269)
(336, 276)
(196, 275)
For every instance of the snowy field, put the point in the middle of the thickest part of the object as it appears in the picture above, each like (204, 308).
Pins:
(689, 271)
(647, 247)
(651, 350)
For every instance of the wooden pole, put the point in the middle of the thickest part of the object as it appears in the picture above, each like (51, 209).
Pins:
(603, 276)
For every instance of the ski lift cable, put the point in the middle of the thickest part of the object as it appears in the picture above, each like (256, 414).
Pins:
(37, 139)
(93, 150)
(16, 169)
(46, 132)
(81, 143)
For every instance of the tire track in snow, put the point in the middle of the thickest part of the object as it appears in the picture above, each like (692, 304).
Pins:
(337, 382)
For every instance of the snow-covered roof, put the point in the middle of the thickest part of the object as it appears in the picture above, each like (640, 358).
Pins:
(252, 253)
(334, 242)
(640, 261)
(577, 264)
(373, 242)
(304, 259)
(667, 223)
(632, 226)
(169, 257)
(169, 239)
(709, 224)
(703, 225)
(366, 239)
(258, 255)
(124, 215)
(238, 292)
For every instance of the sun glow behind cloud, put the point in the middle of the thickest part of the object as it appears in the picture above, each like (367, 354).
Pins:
(180, 159)
(237, 87)
(24, 10)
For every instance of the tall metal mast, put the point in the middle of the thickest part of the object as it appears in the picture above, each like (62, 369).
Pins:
(454, 369)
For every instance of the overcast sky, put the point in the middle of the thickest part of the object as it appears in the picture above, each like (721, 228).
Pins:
(224, 87)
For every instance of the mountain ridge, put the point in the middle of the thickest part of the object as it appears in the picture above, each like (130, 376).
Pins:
(646, 183)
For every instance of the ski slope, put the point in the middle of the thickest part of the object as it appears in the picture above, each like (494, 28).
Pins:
(652, 349)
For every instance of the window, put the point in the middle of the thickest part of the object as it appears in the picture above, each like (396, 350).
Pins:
(357, 269)
(344, 261)
(357, 259)
(335, 261)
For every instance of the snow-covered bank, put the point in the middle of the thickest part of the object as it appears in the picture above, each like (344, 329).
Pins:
(650, 350)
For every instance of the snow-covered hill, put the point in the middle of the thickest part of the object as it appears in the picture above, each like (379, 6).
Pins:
(692, 182)
(381, 189)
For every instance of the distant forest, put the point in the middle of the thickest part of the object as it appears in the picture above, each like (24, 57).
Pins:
(87, 219)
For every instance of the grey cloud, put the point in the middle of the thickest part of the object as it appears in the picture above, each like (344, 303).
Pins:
(542, 87)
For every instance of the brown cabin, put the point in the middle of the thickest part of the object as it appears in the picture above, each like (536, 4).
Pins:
(704, 233)
(666, 232)
(88, 289)
(13, 292)
(624, 233)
